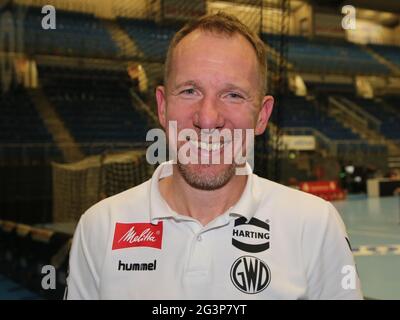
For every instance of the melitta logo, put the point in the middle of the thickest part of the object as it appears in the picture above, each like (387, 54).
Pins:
(252, 236)
(129, 235)
(250, 274)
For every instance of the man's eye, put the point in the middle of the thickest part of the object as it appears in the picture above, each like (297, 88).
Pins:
(234, 95)
(188, 91)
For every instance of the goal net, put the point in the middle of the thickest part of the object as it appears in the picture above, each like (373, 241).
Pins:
(77, 186)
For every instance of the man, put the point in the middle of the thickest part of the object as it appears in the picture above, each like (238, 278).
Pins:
(203, 231)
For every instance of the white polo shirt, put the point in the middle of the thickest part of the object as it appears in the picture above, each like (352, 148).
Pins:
(275, 243)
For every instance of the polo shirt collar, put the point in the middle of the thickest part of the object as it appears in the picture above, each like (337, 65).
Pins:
(159, 209)
(249, 200)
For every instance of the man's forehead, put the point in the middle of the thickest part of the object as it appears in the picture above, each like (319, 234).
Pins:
(221, 42)
(230, 55)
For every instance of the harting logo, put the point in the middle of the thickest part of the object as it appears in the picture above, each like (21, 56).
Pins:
(137, 266)
(252, 236)
(250, 274)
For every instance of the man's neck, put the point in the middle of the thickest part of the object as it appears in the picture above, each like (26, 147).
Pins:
(201, 205)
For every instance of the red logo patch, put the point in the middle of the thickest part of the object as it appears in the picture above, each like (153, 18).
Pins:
(129, 235)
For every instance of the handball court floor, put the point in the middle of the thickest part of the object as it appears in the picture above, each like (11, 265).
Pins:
(373, 225)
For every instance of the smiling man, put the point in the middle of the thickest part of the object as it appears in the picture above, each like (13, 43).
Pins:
(214, 80)
(200, 230)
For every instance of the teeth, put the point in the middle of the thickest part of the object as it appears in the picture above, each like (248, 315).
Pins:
(215, 146)
(207, 146)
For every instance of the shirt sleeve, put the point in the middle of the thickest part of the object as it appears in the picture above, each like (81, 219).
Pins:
(86, 259)
(330, 268)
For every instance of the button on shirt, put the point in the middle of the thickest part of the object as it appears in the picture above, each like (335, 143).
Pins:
(274, 243)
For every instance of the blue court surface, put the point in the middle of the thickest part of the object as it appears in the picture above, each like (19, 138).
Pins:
(9, 290)
(373, 225)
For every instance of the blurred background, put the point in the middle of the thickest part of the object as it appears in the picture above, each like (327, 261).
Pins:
(77, 81)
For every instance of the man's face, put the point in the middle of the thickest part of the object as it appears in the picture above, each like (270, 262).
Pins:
(213, 84)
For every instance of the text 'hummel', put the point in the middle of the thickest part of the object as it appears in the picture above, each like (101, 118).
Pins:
(137, 266)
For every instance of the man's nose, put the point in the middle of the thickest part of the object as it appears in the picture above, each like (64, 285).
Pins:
(208, 115)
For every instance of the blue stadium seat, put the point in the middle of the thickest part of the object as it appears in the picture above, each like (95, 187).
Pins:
(323, 56)
(298, 112)
(22, 130)
(76, 34)
(391, 53)
(95, 106)
(389, 118)
(152, 39)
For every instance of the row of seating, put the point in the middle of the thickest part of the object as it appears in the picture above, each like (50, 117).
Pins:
(76, 34)
(298, 112)
(82, 34)
(391, 53)
(25, 250)
(317, 55)
(153, 40)
(95, 110)
(20, 122)
(384, 110)
(327, 56)
(320, 56)
(22, 129)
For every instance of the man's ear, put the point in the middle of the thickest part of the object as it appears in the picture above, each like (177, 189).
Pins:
(161, 105)
(264, 114)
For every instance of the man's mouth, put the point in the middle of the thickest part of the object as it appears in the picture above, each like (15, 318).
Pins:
(208, 146)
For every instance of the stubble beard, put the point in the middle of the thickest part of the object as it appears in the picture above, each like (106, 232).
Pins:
(207, 181)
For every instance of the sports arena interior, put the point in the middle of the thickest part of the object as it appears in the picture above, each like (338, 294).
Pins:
(77, 99)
